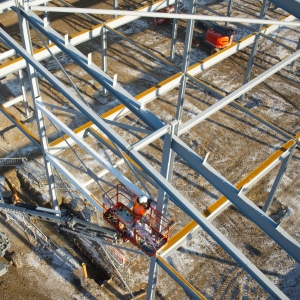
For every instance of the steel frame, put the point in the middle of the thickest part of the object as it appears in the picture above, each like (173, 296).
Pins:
(169, 133)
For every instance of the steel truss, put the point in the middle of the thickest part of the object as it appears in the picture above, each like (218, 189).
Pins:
(168, 133)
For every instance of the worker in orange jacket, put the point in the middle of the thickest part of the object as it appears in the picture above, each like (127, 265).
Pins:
(141, 205)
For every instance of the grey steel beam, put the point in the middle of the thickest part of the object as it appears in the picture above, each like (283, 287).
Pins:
(152, 279)
(229, 10)
(115, 6)
(24, 97)
(104, 55)
(83, 37)
(128, 127)
(187, 287)
(85, 192)
(118, 163)
(185, 63)
(174, 32)
(278, 179)
(70, 111)
(35, 92)
(148, 14)
(240, 107)
(254, 46)
(152, 137)
(176, 197)
(291, 6)
(90, 18)
(154, 55)
(234, 95)
(162, 203)
(107, 165)
(21, 127)
(250, 180)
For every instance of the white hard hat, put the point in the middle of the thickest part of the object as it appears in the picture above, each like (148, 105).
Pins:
(142, 199)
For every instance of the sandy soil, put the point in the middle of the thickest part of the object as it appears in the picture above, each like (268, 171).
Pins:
(237, 145)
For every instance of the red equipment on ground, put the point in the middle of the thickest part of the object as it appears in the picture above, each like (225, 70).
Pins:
(149, 233)
(215, 35)
(170, 10)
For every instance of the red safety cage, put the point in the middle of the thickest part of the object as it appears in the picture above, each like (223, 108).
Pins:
(149, 233)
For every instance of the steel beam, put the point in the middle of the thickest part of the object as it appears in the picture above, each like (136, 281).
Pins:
(78, 38)
(165, 86)
(185, 63)
(229, 10)
(291, 6)
(85, 192)
(178, 278)
(278, 179)
(35, 92)
(254, 46)
(35, 140)
(220, 104)
(174, 33)
(107, 165)
(24, 97)
(163, 15)
(187, 232)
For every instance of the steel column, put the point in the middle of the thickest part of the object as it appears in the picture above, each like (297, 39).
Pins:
(174, 33)
(104, 54)
(162, 202)
(254, 46)
(35, 92)
(47, 21)
(115, 6)
(229, 10)
(278, 179)
(23, 89)
(152, 279)
(185, 63)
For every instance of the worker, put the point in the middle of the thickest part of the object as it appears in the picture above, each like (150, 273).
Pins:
(141, 205)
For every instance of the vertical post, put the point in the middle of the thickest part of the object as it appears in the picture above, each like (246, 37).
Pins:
(278, 179)
(35, 92)
(152, 281)
(255, 46)
(104, 54)
(185, 63)
(166, 169)
(229, 10)
(162, 203)
(174, 33)
(295, 61)
(115, 6)
(23, 89)
(47, 20)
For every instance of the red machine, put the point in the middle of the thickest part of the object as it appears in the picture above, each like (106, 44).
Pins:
(149, 233)
(216, 36)
(170, 10)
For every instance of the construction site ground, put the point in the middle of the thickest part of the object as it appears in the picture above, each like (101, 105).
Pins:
(236, 142)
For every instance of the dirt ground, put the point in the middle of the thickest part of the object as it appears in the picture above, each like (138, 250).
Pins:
(236, 142)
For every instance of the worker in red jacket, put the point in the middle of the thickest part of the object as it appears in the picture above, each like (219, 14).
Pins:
(141, 205)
